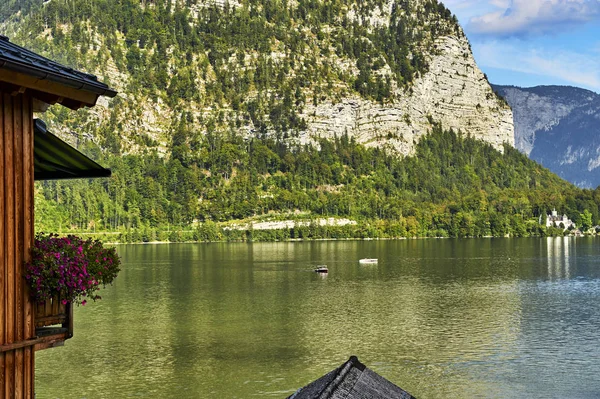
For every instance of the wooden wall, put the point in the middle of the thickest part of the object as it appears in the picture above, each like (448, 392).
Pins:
(16, 237)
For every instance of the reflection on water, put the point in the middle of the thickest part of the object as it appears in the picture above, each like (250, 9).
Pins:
(441, 318)
(560, 256)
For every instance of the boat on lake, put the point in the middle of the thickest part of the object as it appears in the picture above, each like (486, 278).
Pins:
(367, 261)
(322, 269)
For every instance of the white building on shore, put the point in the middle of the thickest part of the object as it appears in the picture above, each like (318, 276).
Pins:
(554, 220)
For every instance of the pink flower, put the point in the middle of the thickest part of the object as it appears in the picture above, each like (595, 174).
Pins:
(69, 267)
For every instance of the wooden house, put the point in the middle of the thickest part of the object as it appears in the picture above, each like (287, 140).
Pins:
(352, 380)
(30, 83)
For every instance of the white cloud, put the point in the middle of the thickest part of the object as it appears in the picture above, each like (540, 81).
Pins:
(525, 17)
(467, 9)
(460, 3)
(577, 68)
(500, 3)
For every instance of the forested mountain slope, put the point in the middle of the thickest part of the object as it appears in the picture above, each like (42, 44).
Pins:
(452, 186)
(557, 126)
(378, 70)
(236, 112)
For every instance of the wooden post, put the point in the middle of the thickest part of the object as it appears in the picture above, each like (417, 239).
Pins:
(16, 238)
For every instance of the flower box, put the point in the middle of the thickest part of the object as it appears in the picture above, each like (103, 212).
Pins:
(69, 268)
(64, 271)
(51, 312)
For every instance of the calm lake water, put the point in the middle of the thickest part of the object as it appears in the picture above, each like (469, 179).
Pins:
(488, 318)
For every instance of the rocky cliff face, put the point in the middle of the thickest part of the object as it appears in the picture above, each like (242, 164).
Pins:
(453, 92)
(558, 127)
(380, 71)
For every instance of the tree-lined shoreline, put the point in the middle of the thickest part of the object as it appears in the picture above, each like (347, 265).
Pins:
(454, 186)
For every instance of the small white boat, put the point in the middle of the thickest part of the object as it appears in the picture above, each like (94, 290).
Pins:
(367, 261)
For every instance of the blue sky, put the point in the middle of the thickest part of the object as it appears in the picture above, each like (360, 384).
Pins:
(534, 42)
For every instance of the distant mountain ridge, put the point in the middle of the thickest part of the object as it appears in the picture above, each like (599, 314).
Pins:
(559, 127)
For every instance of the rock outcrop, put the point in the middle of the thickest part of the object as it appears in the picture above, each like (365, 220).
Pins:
(453, 92)
(309, 80)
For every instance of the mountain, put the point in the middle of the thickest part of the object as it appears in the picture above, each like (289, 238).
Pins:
(558, 126)
(381, 71)
(333, 118)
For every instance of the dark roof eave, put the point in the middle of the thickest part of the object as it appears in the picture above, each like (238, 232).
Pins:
(39, 73)
(61, 175)
(54, 159)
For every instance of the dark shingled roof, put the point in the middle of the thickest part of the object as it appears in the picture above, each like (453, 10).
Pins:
(21, 60)
(54, 159)
(352, 380)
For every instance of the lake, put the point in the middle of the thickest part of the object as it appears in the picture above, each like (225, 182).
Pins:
(441, 318)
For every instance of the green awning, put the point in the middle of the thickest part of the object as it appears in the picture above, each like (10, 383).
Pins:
(54, 159)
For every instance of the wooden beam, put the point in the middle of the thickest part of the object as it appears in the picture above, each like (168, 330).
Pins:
(9, 221)
(51, 342)
(58, 338)
(9, 243)
(16, 238)
(2, 232)
(19, 216)
(39, 105)
(28, 237)
(19, 244)
(72, 104)
(19, 90)
(28, 211)
(3, 264)
(29, 370)
(46, 86)
(51, 99)
(18, 345)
